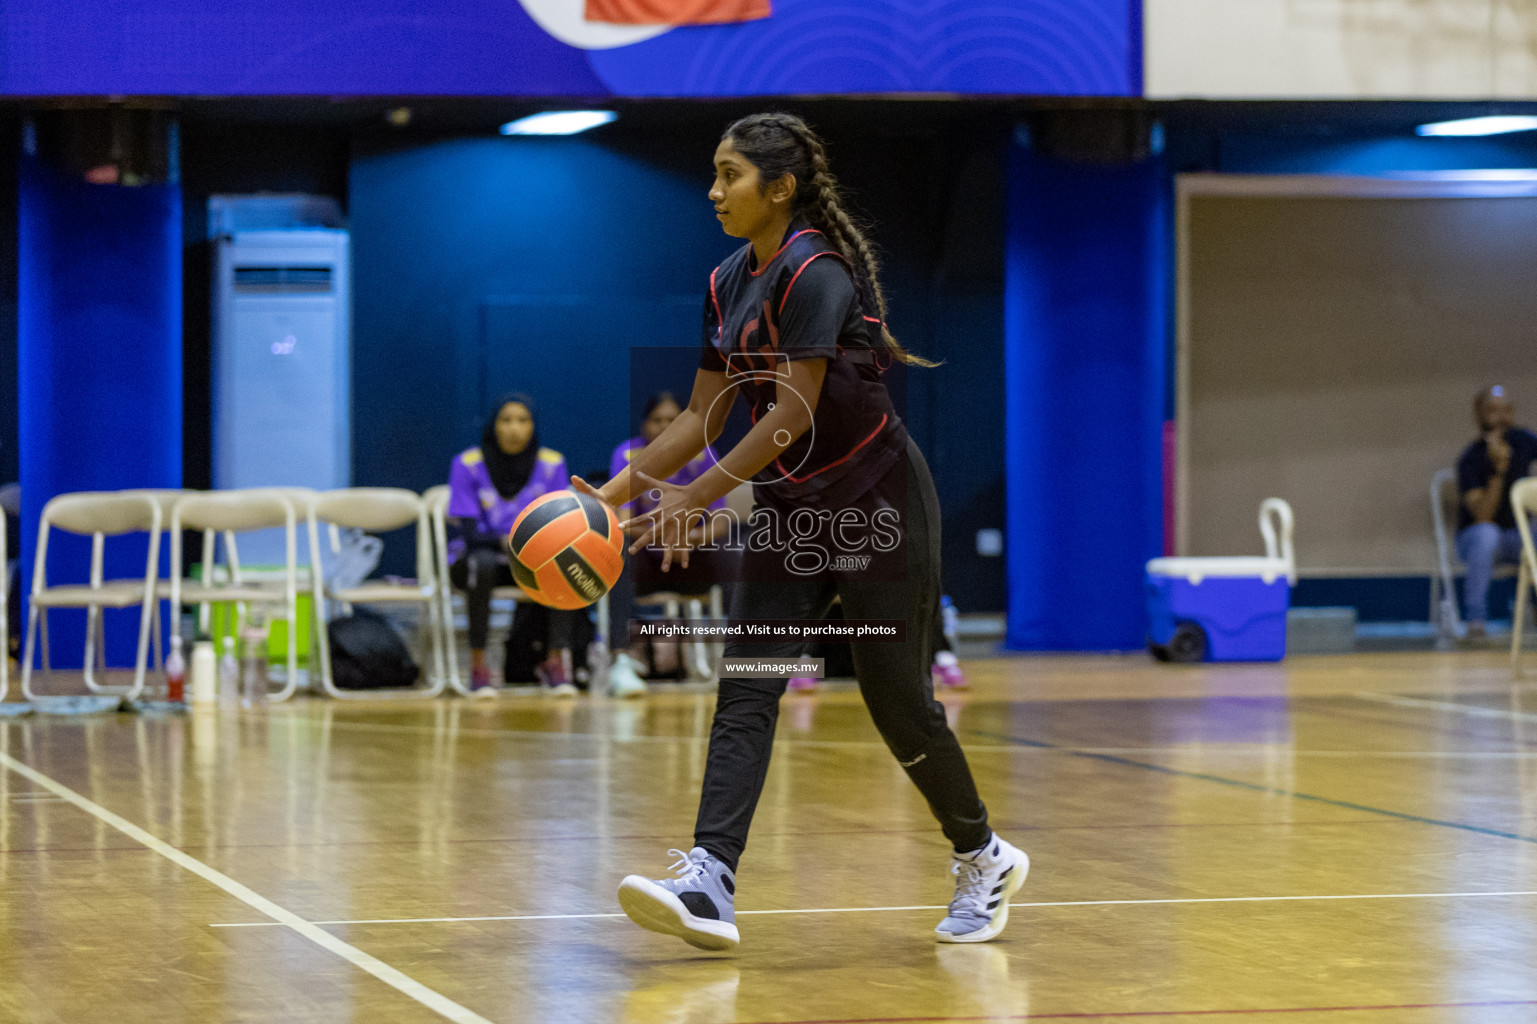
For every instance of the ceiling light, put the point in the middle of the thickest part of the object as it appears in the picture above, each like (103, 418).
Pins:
(1480, 126)
(559, 122)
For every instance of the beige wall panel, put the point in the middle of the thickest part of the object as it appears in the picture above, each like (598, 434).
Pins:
(1341, 49)
(1334, 348)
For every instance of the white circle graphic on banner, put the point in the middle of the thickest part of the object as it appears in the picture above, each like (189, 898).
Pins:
(566, 20)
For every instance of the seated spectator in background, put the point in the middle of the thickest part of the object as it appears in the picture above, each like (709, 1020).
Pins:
(645, 574)
(1486, 524)
(489, 486)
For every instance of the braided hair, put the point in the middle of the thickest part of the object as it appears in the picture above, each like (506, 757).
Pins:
(780, 144)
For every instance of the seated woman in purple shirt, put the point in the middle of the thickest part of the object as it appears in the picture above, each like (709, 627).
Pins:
(645, 570)
(488, 487)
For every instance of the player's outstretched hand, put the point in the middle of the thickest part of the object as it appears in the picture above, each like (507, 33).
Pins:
(581, 486)
(667, 523)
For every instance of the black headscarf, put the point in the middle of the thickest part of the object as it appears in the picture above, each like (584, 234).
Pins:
(510, 473)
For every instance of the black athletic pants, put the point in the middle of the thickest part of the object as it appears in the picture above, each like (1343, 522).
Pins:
(894, 680)
(478, 572)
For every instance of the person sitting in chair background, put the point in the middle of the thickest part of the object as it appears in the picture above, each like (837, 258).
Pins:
(489, 486)
(1486, 523)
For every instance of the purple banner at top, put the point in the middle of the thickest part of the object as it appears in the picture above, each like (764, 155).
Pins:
(549, 48)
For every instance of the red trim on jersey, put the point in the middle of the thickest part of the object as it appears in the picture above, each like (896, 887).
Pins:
(782, 248)
(802, 479)
(720, 321)
(797, 276)
(773, 328)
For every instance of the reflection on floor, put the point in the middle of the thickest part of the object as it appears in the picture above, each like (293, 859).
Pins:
(1347, 838)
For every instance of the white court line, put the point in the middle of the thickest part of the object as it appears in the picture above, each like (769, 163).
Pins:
(38, 800)
(384, 972)
(1471, 710)
(1252, 749)
(876, 910)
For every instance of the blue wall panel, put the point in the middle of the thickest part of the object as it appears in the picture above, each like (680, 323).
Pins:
(490, 265)
(99, 360)
(1086, 336)
(496, 47)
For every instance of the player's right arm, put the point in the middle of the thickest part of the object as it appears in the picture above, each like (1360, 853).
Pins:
(675, 447)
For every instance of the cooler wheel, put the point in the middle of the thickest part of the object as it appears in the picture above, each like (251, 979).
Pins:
(1188, 644)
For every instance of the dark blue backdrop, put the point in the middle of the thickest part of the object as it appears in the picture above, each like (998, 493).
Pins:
(99, 358)
(494, 47)
(1086, 336)
(482, 266)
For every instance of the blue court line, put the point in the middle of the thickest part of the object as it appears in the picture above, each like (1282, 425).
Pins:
(1254, 786)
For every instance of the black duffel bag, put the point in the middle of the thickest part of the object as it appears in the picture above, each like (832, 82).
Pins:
(367, 653)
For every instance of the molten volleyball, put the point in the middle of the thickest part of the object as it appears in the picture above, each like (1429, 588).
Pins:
(566, 549)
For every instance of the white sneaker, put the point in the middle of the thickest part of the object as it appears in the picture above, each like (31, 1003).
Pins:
(622, 678)
(698, 906)
(985, 880)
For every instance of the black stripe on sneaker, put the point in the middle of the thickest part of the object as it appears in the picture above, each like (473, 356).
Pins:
(1006, 872)
(699, 905)
(997, 890)
(727, 884)
(993, 905)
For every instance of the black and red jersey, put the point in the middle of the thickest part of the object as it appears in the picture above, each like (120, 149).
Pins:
(807, 303)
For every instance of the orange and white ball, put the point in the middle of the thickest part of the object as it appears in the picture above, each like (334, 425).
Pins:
(566, 549)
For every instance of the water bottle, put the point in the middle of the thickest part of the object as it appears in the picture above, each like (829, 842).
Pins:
(253, 670)
(229, 674)
(204, 675)
(175, 673)
(949, 619)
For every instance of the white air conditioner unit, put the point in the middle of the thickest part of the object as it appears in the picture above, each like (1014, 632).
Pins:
(281, 364)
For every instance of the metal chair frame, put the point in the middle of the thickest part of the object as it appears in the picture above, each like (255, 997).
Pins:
(5, 612)
(377, 510)
(98, 515)
(436, 501)
(231, 513)
(1523, 501)
(1443, 584)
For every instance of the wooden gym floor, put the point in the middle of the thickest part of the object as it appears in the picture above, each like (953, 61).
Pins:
(1334, 839)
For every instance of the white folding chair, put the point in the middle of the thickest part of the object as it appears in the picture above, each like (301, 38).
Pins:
(5, 612)
(98, 515)
(378, 510)
(166, 498)
(232, 513)
(436, 501)
(1445, 498)
(1523, 501)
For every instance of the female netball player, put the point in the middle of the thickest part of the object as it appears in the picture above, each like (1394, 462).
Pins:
(794, 320)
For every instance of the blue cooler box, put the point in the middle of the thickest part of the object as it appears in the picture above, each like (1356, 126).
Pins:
(1218, 609)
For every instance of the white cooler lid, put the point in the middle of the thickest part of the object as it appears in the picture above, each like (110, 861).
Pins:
(1197, 569)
